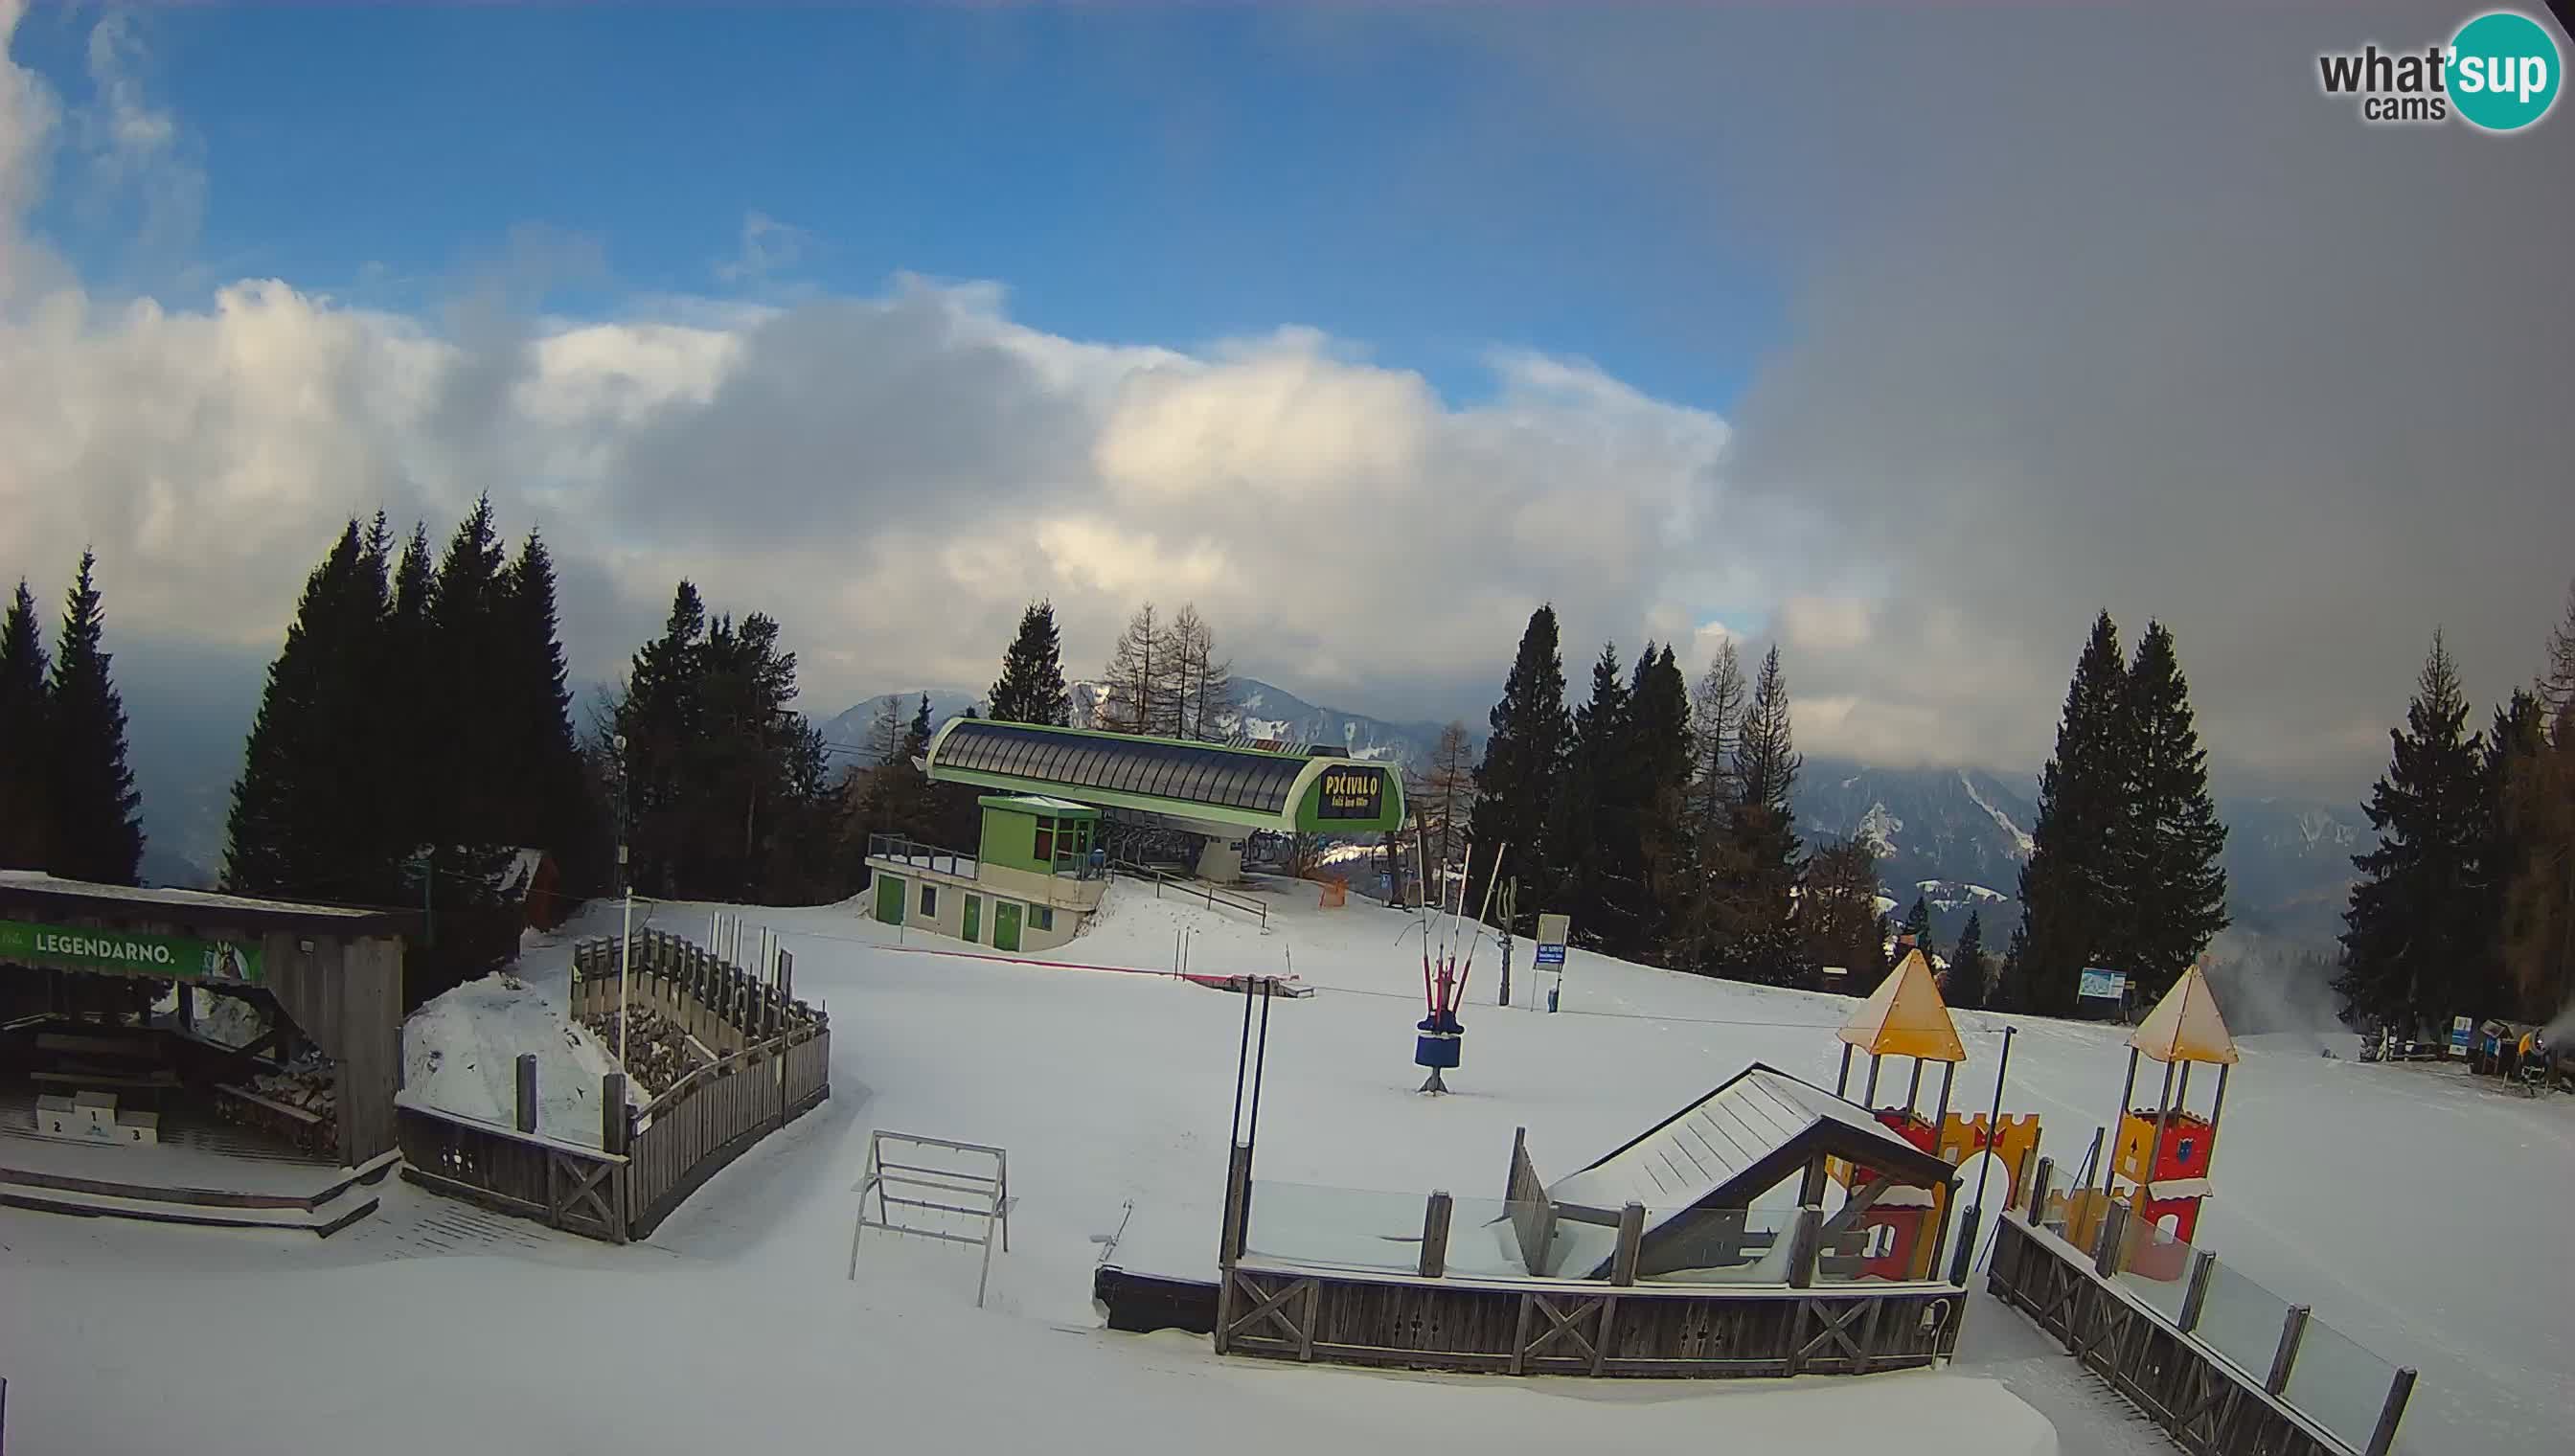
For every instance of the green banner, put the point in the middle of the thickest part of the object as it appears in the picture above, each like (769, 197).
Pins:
(128, 953)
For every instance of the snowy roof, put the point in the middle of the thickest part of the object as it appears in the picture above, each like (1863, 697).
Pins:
(1905, 1016)
(112, 898)
(2185, 1027)
(1733, 1145)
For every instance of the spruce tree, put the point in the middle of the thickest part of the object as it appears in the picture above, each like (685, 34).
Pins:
(408, 684)
(2415, 933)
(479, 777)
(658, 713)
(2009, 990)
(1968, 972)
(1593, 804)
(1656, 792)
(307, 811)
(1030, 688)
(2164, 851)
(1837, 920)
(1917, 923)
(26, 744)
(98, 829)
(1525, 762)
(550, 802)
(2523, 844)
(2069, 888)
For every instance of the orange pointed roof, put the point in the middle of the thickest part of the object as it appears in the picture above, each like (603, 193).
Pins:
(2185, 1027)
(1905, 1016)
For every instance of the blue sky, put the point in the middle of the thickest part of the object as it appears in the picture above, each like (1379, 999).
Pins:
(1168, 178)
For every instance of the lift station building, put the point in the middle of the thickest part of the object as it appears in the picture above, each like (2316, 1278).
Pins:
(1059, 796)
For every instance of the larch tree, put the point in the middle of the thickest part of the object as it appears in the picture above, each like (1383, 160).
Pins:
(1442, 795)
(1133, 685)
(1755, 897)
(97, 827)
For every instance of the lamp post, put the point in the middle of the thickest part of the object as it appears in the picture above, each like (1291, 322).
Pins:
(626, 882)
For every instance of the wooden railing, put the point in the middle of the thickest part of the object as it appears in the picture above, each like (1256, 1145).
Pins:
(771, 1063)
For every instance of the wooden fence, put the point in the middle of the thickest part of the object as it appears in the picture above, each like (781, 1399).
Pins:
(2207, 1405)
(770, 1063)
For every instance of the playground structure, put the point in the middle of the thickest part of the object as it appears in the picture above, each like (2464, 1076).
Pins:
(1905, 1018)
(2159, 1162)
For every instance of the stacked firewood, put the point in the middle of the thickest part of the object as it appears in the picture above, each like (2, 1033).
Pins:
(310, 1083)
(657, 1051)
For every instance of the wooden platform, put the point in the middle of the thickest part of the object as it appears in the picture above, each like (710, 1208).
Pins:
(202, 1172)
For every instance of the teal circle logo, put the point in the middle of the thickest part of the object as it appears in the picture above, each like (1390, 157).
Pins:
(2503, 70)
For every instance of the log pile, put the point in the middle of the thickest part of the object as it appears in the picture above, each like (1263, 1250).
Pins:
(657, 1051)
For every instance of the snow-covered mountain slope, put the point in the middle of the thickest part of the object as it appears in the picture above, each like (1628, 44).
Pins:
(1112, 1084)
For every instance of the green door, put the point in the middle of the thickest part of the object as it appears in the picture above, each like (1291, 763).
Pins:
(1006, 925)
(890, 898)
(974, 917)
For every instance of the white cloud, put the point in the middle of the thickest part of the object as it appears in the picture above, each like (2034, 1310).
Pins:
(766, 247)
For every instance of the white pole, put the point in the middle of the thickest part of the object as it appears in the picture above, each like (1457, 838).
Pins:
(624, 964)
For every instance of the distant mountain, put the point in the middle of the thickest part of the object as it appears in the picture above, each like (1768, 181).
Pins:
(1961, 836)
(1261, 712)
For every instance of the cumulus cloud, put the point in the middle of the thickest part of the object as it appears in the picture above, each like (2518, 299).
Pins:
(2114, 309)
(2043, 353)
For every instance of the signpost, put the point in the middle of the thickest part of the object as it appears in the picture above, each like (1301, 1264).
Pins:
(2459, 1030)
(1551, 933)
(129, 952)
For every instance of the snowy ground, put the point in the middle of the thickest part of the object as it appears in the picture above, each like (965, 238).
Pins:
(2337, 1183)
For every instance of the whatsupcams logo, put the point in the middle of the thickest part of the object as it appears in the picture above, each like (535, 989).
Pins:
(2500, 73)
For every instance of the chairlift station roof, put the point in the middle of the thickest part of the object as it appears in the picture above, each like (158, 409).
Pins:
(1219, 788)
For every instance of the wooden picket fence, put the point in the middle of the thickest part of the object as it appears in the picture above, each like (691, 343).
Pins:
(772, 1064)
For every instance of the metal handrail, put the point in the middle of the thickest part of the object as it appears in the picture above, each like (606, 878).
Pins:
(1204, 890)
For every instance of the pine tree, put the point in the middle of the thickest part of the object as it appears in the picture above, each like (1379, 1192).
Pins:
(2166, 847)
(549, 804)
(1030, 688)
(98, 829)
(2416, 939)
(2070, 887)
(1592, 801)
(26, 815)
(1525, 762)
(1969, 973)
(409, 682)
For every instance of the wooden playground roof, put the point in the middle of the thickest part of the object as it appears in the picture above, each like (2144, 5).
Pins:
(1905, 1016)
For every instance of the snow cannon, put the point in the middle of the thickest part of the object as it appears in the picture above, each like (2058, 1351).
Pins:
(1439, 1034)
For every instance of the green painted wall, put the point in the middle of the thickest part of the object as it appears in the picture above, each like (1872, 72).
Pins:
(1011, 840)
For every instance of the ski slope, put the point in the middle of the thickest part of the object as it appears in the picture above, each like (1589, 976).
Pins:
(432, 1324)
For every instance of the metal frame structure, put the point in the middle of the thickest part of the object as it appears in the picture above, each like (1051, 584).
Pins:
(992, 1192)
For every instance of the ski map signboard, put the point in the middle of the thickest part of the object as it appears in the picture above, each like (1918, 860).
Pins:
(2459, 1028)
(129, 952)
(2107, 986)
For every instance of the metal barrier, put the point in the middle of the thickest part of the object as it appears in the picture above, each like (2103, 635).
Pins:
(988, 1192)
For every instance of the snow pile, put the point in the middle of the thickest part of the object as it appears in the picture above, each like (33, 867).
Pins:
(461, 1051)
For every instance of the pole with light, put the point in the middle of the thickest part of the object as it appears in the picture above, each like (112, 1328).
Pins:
(626, 882)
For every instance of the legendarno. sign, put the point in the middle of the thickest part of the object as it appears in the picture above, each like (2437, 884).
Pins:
(127, 952)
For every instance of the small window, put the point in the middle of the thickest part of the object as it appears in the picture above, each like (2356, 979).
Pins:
(930, 900)
(1042, 918)
(1046, 840)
